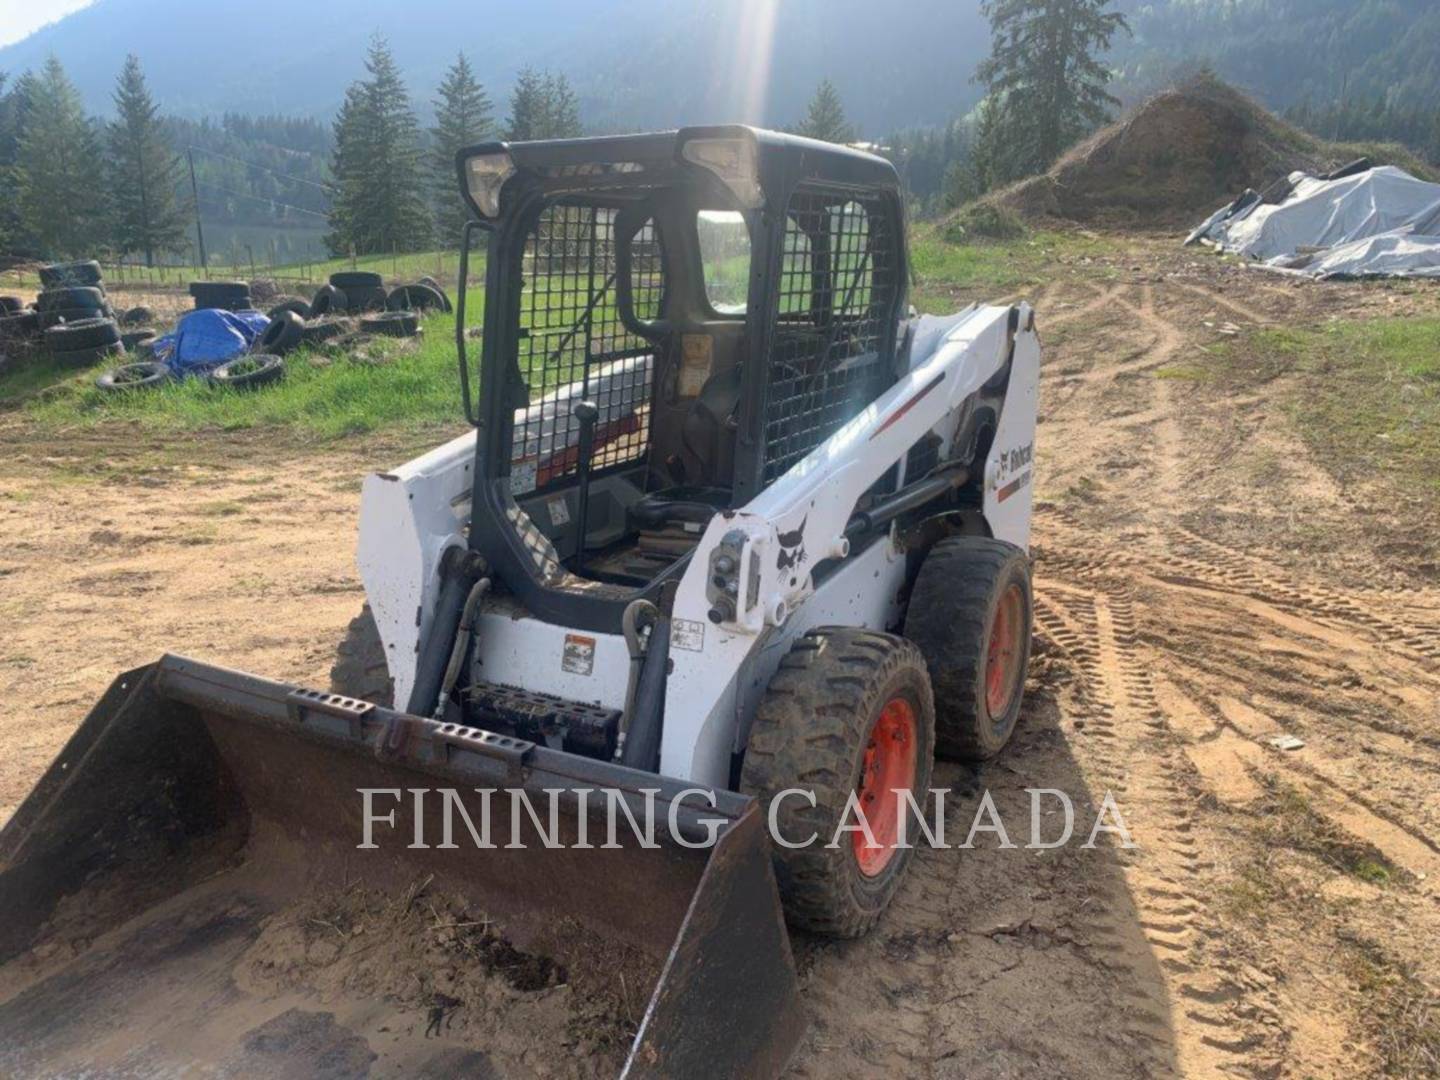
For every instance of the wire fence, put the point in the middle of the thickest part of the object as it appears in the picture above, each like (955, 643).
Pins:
(250, 264)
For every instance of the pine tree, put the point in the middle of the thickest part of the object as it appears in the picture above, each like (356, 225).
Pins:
(528, 107)
(462, 118)
(1044, 64)
(542, 107)
(562, 109)
(825, 116)
(147, 213)
(380, 202)
(56, 162)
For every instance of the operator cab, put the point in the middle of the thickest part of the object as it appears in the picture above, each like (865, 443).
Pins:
(673, 321)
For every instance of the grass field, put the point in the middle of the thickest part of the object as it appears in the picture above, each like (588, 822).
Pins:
(1370, 393)
(326, 396)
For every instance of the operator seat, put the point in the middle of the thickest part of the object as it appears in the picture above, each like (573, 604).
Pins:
(684, 505)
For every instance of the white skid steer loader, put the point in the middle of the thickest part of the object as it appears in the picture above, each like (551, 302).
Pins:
(729, 517)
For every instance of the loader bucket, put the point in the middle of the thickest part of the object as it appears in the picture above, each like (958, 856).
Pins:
(185, 893)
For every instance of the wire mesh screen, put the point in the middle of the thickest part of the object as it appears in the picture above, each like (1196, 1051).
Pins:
(837, 288)
(573, 344)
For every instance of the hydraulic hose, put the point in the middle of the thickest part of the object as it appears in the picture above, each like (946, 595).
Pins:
(462, 644)
(630, 625)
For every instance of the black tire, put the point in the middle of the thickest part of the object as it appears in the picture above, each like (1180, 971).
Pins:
(314, 333)
(418, 297)
(137, 316)
(360, 670)
(392, 323)
(84, 358)
(328, 300)
(84, 334)
(219, 288)
(133, 339)
(11, 305)
(812, 730)
(361, 298)
(356, 279)
(290, 303)
(145, 375)
(952, 619)
(283, 335)
(72, 297)
(71, 273)
(19, 327)
(224, 295)
(249, 371)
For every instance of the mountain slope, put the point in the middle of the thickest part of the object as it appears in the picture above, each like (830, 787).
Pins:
(635, 63)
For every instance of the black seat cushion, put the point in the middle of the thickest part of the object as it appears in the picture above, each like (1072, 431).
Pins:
(678, 505)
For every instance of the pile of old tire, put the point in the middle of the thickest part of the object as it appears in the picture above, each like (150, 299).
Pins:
(363, 290)
(226, 295)
(84, 342)
(71, 292)
(425, 295)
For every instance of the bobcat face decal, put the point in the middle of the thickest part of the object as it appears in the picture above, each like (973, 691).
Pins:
(792, 547)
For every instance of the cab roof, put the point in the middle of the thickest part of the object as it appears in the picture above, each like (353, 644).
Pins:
(643, 162)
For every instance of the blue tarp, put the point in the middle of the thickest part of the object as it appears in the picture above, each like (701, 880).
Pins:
(208, 337)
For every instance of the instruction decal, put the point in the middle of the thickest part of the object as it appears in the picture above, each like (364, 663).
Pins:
(579, 655)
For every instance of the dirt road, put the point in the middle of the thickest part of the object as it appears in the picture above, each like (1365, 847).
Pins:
(1204, 586)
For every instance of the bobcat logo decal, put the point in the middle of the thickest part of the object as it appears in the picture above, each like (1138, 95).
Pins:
(792, 547)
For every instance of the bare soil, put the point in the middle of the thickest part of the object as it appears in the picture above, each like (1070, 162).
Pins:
(1205, 585)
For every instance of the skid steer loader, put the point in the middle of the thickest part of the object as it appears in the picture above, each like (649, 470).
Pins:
(734, 541)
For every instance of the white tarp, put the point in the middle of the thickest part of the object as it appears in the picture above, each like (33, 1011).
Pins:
(1375, 223)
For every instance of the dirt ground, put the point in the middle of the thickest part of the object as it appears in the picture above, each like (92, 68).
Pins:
(1204, 585)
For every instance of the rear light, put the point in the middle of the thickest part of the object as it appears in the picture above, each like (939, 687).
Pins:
(485, 176)
(735, 161)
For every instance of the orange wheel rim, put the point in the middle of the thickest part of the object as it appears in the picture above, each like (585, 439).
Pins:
(1002, 656)
(887, 770)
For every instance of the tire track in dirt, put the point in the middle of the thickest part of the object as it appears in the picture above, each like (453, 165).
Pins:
(1220, 1018)
(1221, 300)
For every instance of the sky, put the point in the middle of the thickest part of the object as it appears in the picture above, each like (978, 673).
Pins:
(21, 18)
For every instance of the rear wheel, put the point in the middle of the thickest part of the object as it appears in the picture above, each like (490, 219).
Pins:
(360, 670)
(849, 712)
(970, 613)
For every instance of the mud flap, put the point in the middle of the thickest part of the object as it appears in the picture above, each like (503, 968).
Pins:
(195, 802)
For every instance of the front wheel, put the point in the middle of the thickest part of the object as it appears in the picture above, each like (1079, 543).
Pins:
(970, 614)
(848, 716)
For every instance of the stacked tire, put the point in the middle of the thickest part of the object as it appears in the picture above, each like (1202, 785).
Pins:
(225, 295)
(363, 290)
(84, 342)
(71, 292)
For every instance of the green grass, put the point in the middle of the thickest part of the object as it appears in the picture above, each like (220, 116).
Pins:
(946, 271)
(324, 395)
(1369, 394)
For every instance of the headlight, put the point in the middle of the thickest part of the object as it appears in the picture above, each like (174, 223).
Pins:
(486, 175)
(735, 161)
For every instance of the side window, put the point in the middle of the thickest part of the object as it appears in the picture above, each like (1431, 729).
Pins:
(647, 273)
(725, 257)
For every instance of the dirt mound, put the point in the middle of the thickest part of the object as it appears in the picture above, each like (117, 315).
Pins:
(1179, 156)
